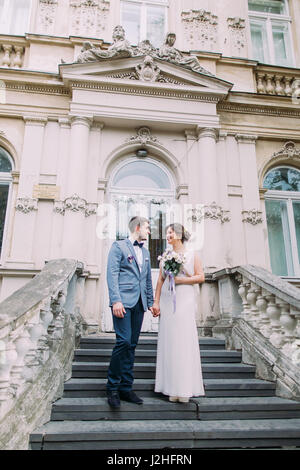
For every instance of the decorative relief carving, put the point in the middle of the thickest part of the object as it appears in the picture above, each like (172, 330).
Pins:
(122, 48)
(26, 204)
(212, 211)
(237, 35)
(46, 16)
(75, 204)
(200, 29)
(143, 136)
(252, 216)
(88, 17)
(289, 150)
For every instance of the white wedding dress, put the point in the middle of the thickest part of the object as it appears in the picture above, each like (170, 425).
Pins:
(178, 365)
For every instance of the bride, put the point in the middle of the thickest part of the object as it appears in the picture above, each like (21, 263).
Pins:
(178, 366)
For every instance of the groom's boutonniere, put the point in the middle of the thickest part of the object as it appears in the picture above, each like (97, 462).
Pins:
(130, 258)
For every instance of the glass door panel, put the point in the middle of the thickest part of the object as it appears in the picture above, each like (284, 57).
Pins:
(279, 238)
(296, 210)
(3, 206)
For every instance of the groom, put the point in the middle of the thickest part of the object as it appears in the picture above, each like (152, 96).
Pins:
(130, 295)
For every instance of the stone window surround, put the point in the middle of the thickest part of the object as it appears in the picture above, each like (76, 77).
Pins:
(284, 18)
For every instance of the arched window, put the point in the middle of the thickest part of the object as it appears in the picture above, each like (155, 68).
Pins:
(143, 187)
(283, 219)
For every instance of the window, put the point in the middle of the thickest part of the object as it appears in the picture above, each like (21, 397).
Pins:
(144, 20)
(270, 32)
(14, 16)
(5, 179)
(142, 187)
(283, 219)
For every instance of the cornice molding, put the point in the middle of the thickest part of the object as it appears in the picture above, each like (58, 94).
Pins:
(245, 108)
(146, 91)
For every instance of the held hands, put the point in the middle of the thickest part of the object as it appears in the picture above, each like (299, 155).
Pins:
(155, 310)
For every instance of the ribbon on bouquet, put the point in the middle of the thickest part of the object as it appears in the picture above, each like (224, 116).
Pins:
(172, 288)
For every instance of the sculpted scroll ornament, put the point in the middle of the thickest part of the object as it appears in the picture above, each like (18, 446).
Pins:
(75, 204)
(212, 211)
(252, 216)
(26, 204)
(143, 136)
(288, 150)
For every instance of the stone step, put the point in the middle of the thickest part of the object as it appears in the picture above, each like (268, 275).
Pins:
(204, 408)
(146, 370)
(103, 342)
(93, 387)
(159, 434)
(149, 356)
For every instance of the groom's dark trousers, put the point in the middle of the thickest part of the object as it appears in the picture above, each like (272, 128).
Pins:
(120, 372)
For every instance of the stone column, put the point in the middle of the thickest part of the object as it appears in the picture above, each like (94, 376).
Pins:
(26, 205)
(251, 214)
(75, 205)
(209, 196)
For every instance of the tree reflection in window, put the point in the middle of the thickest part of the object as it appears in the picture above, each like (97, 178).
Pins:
(283, 179)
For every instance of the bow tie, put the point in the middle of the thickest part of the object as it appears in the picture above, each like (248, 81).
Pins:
(135, 243)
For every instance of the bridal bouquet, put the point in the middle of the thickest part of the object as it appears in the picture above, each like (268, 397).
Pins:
(172, 263)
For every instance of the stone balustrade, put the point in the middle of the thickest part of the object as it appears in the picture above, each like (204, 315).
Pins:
(263, 311)
(40, 324)
(277, 83)
(11, 55)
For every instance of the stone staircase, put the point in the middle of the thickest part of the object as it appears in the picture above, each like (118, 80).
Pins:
(238, 411)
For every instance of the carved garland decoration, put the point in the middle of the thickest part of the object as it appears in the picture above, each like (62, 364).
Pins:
(75, 204)
(212, 211)
(88, 17)
(237, 35)
(200, 29)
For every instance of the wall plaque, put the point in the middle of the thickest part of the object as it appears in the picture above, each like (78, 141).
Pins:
(46, 191)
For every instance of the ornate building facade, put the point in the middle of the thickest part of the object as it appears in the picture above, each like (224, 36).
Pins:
(98, 120)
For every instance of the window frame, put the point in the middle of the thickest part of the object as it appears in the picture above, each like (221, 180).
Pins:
(269, 19)
(289, 197)
(143, 14)
(6, 179)
(5, 14)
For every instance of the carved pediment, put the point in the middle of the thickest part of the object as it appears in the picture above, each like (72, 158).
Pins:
(143, 64)
(141, 71)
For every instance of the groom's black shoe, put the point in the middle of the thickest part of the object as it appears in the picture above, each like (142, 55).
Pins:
(113, 399)
(131, 397)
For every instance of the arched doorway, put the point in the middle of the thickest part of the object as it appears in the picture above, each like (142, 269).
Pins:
(5, 187)
(282, 201)
(141, 186)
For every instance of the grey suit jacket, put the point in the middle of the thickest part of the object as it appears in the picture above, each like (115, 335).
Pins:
(125, 281)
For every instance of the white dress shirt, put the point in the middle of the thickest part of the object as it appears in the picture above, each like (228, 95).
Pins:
(139, 253)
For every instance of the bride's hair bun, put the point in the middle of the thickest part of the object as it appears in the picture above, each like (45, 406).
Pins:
(180, 231)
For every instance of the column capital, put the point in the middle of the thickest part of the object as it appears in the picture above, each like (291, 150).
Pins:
(97, 126)
(190, 134)
(81, 120)
(211, 132)
(35, 120)
(64, 123)
(246, 138)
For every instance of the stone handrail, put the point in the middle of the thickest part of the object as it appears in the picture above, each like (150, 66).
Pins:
(263, 310)
(39, 326)
(271, 305)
